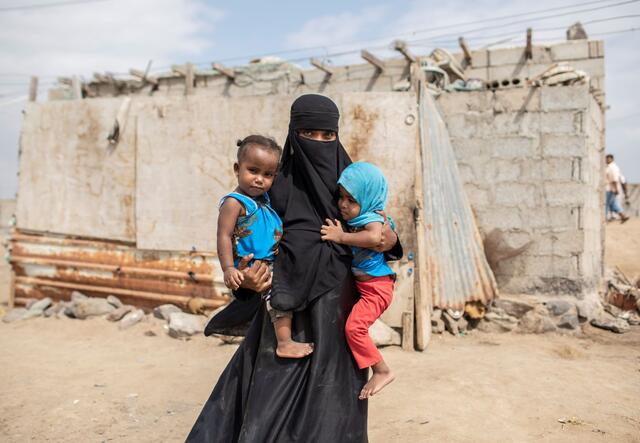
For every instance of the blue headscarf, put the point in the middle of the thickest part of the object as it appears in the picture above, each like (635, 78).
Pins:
(368, 186)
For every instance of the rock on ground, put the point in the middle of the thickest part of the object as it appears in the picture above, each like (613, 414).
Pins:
(41, 304)
(115, 301)
(90, 306)
(384, 335)
(183, 325)
(120, 312)
(513, 308)
(610, 323)
(164, 311)
(131, 319)
(497, 320)
(537, 321)
(558, 307)
(14, 314)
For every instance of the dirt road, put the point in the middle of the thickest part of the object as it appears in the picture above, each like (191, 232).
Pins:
(86, 381)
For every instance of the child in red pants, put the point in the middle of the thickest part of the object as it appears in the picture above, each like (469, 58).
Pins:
(363, 190)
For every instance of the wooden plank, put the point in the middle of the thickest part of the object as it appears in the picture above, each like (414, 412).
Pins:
(33, 89)
(465, 50)
(321, 66)
(422, 294)
(12, 288)
(407, 331)
(227, 72)
(188, 79)
(375, 61)
(528, 51)
(401, 47)
(143, 76)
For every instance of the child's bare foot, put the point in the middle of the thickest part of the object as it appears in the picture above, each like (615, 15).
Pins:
(293, 349)
(378, 380)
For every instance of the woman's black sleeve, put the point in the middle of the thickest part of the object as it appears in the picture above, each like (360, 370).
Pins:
(396, 252)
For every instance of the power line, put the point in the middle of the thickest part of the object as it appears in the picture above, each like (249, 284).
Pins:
(48, 5)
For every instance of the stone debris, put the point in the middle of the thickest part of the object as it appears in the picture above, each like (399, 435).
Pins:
(29, 302)
(163, 312)
(131, 319)
(115, 301)
(450, 323)
(40, 305)
(569, 321)
(384, 335)
(89, 307)
(53, 310)
(497, 320)
(513, 308)
(537, 321)
(558, 307)
(77, 296)
(437, 324)
(611, 323)
(120, 312)
(183, 325)
(14, 314)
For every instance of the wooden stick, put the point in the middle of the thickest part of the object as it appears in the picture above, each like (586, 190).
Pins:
(401, 47)
(145, 77)
(188, 79)
(321, 66)
(375, 61)
(227, 72)
(465, 50)
(423, 295)
(528, 52)
(407, 331)
(12, 288)
(33, 89)
(76, 85)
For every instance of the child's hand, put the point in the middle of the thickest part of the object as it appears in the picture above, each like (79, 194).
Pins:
(233, 278)
(332, 231)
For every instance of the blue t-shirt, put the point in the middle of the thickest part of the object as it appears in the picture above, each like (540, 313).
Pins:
(258, 232)
(369, 262)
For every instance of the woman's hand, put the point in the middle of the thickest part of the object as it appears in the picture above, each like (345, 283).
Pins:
(389, 237)
(257, 277)
(332, 231)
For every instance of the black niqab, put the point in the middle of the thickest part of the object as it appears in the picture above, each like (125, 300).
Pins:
(304, 195)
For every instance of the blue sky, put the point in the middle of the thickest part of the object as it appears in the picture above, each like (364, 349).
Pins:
(115, 35)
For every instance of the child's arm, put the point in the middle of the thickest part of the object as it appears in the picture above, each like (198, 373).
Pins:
(368, 238)
(227, 218)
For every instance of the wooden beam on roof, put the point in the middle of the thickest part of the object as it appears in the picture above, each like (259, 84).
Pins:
(189, 79)
(375, 61)
(528, 51)
(179, 69)
(227, 72)
(465, 50)
(33, 89)
(401, 47)
(143, 76)
(321, 66)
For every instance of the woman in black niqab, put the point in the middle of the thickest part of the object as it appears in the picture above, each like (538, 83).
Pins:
(263, 398)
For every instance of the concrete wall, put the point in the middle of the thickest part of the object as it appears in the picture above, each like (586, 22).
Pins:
(531, 160)
(7, 209)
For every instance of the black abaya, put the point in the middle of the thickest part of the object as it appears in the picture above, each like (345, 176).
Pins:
(263, 398)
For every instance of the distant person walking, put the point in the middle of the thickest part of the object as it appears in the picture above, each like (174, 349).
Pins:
(613, 187)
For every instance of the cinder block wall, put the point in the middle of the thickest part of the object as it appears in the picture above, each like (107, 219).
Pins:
(531, 160)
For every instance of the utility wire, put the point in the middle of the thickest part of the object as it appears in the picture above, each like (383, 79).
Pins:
(47, 5)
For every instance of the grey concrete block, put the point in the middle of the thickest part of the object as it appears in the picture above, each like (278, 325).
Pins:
(516, 194)
(557, 145)
(477, 197)
(549, 217)
(499, 170)
(470, 124)
(548, 266)
(565, 244)
(517, 123)
(499, 217)
(596, 49)
(514, 147)
(560, 98)
(571, 50)
(564, 193)
(592, 66)
(560, 122)
(459, 102)
(517, 100)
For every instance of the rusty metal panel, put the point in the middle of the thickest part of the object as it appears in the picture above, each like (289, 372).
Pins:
(71, 180)
(55, 266)
(458, 269)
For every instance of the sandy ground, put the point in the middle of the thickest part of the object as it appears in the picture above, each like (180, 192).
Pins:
(86, 381)
(623, 246)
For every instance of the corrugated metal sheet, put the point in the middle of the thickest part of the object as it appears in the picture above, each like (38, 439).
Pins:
(458, 269)
(55, 266)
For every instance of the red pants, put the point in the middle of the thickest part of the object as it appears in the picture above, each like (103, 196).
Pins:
(375, 298)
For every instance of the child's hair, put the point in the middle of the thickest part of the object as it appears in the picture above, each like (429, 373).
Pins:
(257, 140)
